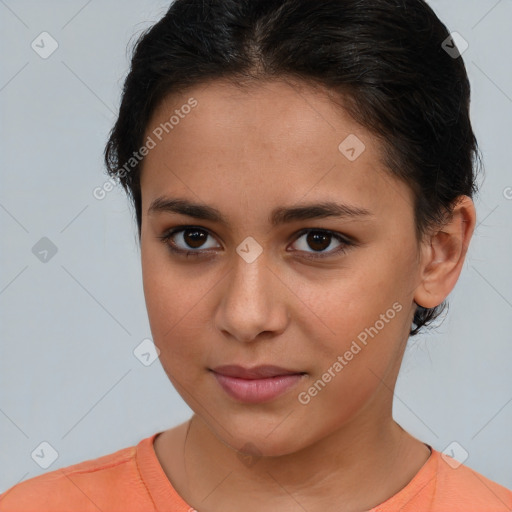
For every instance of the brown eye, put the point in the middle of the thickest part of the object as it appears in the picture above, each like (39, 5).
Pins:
(318, 240)
(315, 242)
(189, 241)
(194, 238)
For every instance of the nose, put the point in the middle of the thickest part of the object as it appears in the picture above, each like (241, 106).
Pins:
(251, 305)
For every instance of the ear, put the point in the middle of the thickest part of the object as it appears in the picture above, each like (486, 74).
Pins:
(443, 254)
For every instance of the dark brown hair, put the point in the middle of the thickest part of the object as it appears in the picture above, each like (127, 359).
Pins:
(384, 58)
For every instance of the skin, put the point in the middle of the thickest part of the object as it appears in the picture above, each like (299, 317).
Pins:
(246, 152)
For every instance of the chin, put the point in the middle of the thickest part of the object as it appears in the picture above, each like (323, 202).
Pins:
(255, 440)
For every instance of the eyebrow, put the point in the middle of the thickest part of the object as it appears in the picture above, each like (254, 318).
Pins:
(278, 216)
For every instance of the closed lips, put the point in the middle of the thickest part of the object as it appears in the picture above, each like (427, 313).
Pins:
(258, 372)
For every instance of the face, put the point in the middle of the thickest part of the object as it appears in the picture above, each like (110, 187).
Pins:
(302, 256)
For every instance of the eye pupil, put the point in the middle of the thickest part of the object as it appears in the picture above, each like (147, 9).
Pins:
(316, 237)
(194, 237)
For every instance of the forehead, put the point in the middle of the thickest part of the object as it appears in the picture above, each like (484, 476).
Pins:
(281, 114)
(278, 140)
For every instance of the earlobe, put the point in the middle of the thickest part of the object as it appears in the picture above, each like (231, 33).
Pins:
(443, 255)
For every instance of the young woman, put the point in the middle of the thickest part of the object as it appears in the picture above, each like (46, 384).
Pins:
(302, 174)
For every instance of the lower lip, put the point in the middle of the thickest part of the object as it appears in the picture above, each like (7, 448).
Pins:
(257, 390)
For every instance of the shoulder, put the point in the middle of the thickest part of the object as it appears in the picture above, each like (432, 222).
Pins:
(443, 485)
(89, 485)
(460, 485)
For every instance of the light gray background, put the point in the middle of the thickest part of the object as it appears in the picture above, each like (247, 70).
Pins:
(69, 326)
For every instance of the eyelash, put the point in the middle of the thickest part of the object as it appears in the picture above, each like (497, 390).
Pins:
(345, 243)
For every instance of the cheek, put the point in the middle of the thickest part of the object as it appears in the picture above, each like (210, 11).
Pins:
(363, 316)
(367, 336)
(176, 299)
(362, 359)
(355, 300)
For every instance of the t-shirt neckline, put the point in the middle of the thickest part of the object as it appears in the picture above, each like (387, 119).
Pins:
(164, 495)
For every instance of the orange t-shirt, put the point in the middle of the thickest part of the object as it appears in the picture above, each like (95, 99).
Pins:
(132, 480)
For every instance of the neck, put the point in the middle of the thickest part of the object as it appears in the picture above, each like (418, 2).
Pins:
(360, 466)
